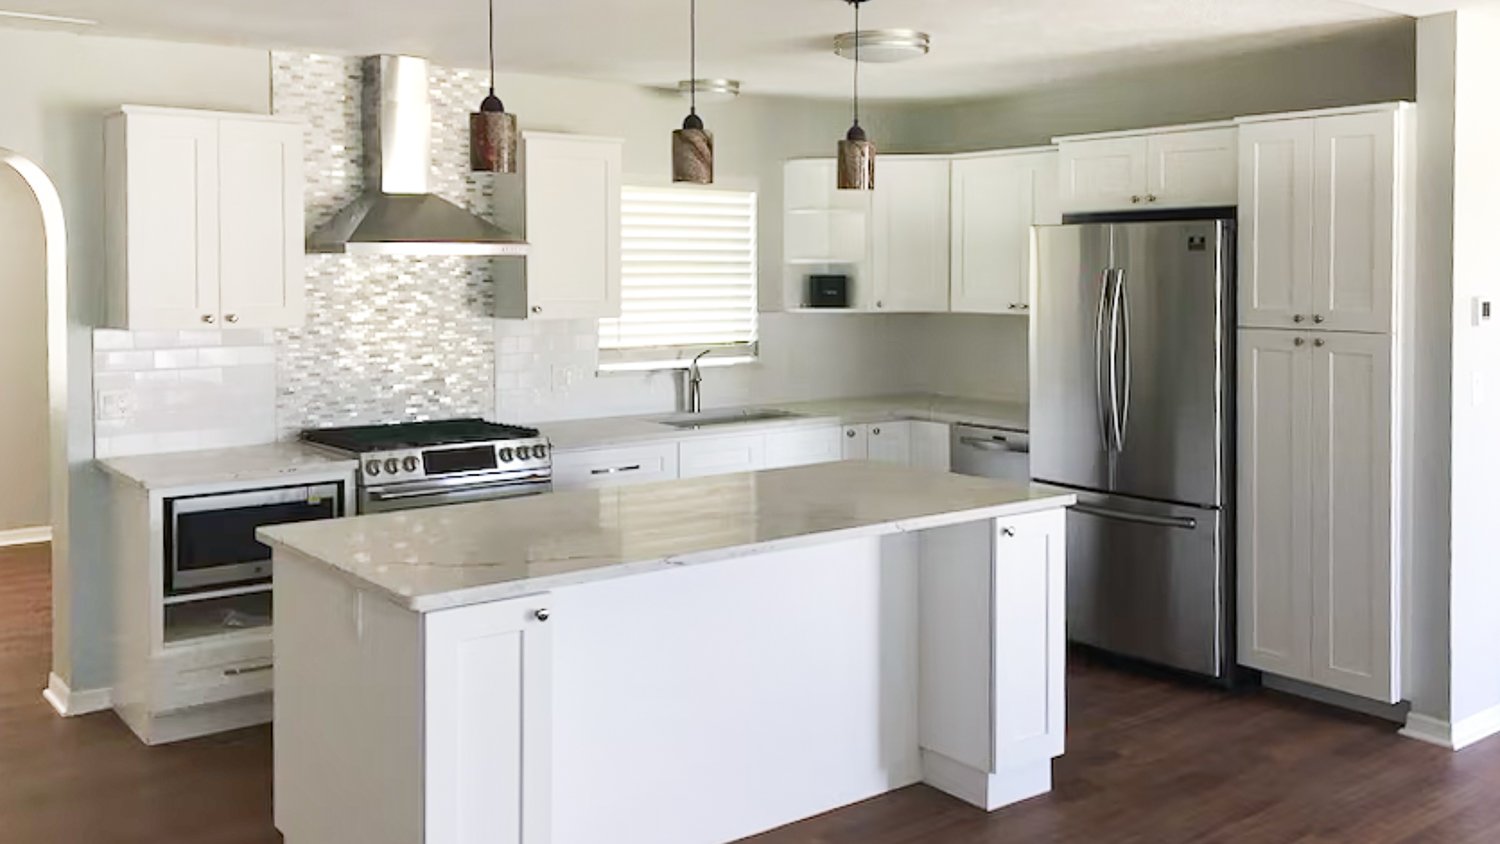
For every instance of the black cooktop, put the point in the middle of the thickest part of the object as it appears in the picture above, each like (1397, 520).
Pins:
(366, 438)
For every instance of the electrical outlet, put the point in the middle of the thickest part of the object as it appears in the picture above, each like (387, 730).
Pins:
(116, 405)
(565, 377)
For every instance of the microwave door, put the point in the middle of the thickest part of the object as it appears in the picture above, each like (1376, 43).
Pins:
(211, 541)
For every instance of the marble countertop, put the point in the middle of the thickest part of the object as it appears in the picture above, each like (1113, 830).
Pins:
(447, 557)
(621, 430)
(273, 462)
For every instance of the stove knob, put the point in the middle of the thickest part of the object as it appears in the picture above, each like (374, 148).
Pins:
(409, 464)
(539, 451)
(507, 455)
(524, 452)
(373, 467)
(392, 465)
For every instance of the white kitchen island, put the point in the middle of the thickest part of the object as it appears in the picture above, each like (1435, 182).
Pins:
(687, 662)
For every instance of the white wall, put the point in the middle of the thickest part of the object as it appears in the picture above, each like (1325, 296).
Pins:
(23, 357)
(57, 89)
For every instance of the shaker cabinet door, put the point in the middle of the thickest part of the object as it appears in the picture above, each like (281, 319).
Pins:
(261, 226)
(996, 202)
(1356, 222)
(1276, 224)
(911, 240)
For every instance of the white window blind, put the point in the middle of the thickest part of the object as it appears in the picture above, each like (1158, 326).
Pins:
(688, 277)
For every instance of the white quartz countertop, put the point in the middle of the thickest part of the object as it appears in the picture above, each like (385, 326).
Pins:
(447, 557)
(274, 462)
(620, 430)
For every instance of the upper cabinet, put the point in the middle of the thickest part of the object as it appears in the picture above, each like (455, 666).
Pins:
(571, 192)
(1163, 169)
(910, 236)
(204, 223)
(1321, 230)
(997, 200)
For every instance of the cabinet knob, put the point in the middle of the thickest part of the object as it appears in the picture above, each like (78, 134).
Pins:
(1318, 319)
(875, 431)
(879, 304)
(1299, 342)
(208, 318)
(849, 433)
(231, 318)
(1150, 197)
(543, 614)
(1008, 533)
(1298, 318)
(536, 309)
(1023, 307)
(1319, 343)
(1135, 200)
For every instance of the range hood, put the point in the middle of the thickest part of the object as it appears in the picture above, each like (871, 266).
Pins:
(397, 214)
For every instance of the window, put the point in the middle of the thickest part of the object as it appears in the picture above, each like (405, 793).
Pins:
(688, 278)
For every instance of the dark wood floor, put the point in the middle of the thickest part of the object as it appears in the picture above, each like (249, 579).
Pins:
(1149, 760)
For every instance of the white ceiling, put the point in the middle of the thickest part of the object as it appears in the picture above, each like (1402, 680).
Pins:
(980, 47)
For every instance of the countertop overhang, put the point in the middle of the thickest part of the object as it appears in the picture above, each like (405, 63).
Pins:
(447, 557)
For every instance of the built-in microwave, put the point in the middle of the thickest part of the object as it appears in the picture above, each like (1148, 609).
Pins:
(210, 539)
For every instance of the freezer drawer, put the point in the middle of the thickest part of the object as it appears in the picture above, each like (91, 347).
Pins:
(1147, 580)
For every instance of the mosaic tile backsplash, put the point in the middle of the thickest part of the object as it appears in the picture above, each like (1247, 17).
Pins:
(386, 339)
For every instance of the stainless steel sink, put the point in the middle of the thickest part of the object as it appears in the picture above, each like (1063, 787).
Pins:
(710, 419)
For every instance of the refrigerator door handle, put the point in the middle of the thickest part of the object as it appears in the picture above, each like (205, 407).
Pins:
(1104, 418)
(1116, 429)
(1179, 523)
(1122, 309)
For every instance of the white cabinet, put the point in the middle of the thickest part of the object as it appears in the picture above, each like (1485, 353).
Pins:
(804, 446)
(996, 202)
(856, 443)
(931, 445)
(572, 223)
(700, 457)
(823, 225)
(1168, 169)
(204, 222)
(487, 769)
(1319, 571)
(910, 240)
(1322, 223)
(890, 442)
(598, 468)
(914, 443)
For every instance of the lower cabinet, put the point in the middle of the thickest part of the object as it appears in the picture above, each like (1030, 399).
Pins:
(721, 455)
(920, 445)
(598, 468)
(1319, 568)
(695, 457)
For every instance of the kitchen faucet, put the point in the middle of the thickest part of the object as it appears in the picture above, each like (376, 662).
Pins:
(695, 384)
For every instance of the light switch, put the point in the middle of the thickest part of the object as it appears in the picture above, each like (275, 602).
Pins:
(1484, 311)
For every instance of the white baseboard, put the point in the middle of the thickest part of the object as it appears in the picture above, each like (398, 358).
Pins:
(69, 703)
(1465, 733)
(26, 536)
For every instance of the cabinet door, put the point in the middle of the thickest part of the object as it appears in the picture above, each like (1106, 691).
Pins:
(804, 447)
(1275, 604)
(260, 224)
(930, 446)
(911, 237)
(856, 442)
(573, 226)
(1355, 588)
(612, 467)
(890, 442)
(1029, 620)
(488, 732)
(697, 458)
(996, 201)
(1276, 223)
(1355, 222)
(1193, 169)
(171, 187)
(1104, 175)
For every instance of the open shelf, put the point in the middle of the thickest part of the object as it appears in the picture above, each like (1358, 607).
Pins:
(213, 595)
(227, 615)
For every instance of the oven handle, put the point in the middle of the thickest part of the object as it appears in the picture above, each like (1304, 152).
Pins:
(532, 484)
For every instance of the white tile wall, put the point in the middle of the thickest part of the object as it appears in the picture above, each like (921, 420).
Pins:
(157, 391)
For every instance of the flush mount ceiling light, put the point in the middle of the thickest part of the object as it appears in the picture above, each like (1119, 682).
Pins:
(492, 131)
(856, 153)
(693, 145)
(883, 45)
(711, 90)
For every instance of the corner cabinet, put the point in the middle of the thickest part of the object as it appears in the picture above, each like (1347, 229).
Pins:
(571, 193)
(997, 200)
(1189, 167)
(204, 220)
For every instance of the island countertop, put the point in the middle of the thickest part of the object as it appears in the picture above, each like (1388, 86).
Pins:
(446, 557)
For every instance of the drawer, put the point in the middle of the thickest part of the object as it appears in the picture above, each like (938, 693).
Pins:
(722, 455)
(609, 467)
(804, 447)
(193, 676)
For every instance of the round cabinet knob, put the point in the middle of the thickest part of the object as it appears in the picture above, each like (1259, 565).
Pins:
(1319, 343)
(1150, 197)
(1299, 342)
(523, 453)
(392, 465)
(1298, 318)
(1008, 533)
(231, 318)
(875, 431)
(879, 304)
(409, 464)
(850, 433)
(507, 455)
(1318, 319)
(373, 467)
(208, 318)
(543, 614)
(1135, 200)
(536, 309)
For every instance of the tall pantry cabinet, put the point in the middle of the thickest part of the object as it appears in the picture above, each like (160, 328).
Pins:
(1324, 271)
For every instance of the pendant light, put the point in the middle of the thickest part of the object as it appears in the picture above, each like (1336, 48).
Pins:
(692, 145)
(856, 153)
(492, 131)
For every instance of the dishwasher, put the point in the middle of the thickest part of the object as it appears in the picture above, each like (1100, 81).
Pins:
(991, 453)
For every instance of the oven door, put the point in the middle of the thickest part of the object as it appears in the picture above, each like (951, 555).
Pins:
(211, 538)
(463, 490)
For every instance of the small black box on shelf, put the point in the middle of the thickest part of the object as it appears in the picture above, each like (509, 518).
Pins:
(828, 291)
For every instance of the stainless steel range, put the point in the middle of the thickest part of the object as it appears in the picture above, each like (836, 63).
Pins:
(451, 461)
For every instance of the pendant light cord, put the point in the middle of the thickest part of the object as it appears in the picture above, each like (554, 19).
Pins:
(492, 48)
(693, 54)
(856, 60)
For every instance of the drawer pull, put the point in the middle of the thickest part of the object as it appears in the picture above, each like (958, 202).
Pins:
(253, 669)
(617, 470)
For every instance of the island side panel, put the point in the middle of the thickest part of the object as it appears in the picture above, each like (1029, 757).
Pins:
(348, 722)
(712, 702)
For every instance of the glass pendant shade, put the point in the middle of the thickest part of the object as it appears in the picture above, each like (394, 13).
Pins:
(856, 161)
(492, 138)
(693, 153)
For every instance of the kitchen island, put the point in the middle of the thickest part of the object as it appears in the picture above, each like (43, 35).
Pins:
(692, 661)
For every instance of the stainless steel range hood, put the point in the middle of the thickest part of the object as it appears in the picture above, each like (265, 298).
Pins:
(397, 214)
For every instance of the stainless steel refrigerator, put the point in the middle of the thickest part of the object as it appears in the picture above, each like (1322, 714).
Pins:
(1131, 402)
